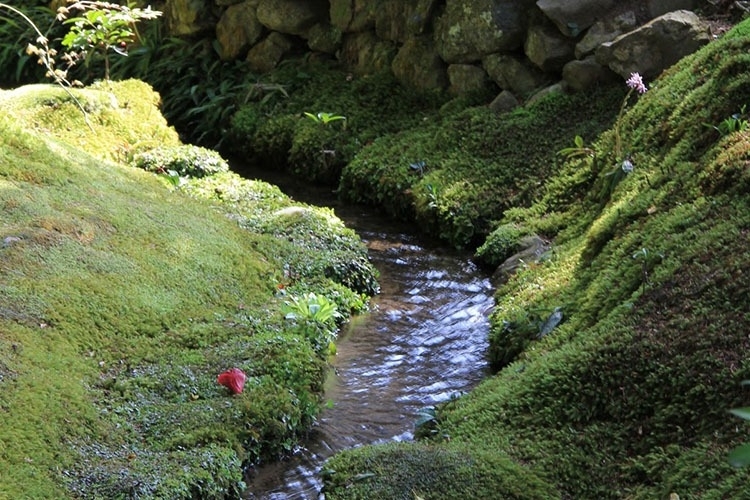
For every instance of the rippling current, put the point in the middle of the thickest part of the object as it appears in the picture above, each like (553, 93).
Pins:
(423, 342)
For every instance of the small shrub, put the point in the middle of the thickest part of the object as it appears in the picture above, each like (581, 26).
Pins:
(185, 161)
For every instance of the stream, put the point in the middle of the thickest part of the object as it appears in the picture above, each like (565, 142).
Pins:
(423, 342)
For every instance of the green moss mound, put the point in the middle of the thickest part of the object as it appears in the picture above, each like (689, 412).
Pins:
(388, 471)
(123, 296)
(627, 395)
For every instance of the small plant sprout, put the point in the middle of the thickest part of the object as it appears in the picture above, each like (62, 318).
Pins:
(325, 118)
(578, 149)
(648, 259)
(735, 123)
(418, 166)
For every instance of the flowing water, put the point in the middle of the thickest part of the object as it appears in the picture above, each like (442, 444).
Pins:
(423, 342)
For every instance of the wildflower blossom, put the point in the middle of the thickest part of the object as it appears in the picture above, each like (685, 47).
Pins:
(635, 82)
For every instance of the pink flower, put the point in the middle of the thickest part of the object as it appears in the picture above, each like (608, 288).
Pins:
(233, 379)
(635, 82)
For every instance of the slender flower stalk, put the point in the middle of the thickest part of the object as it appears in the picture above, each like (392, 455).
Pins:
(635, 83)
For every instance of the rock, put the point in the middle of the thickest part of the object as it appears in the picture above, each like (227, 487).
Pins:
(291, 17)
(605, 31)
(468, 31)
(655, 46)
(267, 54)
(417, 64)
(467, 78)
(504, 102)
(238, 29)
(547, 48)
(396, 20)
(324, 37)
(188, 17)
(519, 76)
(353, 15)
(584, 74)
(572, 17)
(365, 53)
(533, 250)
(557, 88)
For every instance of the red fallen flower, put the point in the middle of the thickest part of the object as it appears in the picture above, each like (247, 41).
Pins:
(233, 379)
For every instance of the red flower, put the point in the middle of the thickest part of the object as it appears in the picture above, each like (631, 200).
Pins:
(233, 379)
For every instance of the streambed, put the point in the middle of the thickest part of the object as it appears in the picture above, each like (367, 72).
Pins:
(424, 341)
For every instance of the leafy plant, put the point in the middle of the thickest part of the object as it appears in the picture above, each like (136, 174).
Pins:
(316, 316)
(325, 118)
(735, 123)
(185, 160)
(100, 29)
(577, 150)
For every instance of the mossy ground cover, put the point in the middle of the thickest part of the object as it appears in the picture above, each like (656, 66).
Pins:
(628, 396)
(124, 296)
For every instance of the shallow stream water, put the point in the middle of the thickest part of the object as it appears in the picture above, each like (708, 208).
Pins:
(423, 342)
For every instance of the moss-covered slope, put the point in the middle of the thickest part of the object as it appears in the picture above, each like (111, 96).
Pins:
(122, 299)
(628, 395)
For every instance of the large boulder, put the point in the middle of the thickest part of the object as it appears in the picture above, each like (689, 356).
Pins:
(586, 73)
(365, 53)
(572, 17)
(516, 75)
(324, 37)
(238, 29)
(468, 31)
(267, 54)
(658, 8)
(467, 78)
(188, 17)
(353, 15)
(655, 46)
(417, 64)
(396, 20)
(605, 30)
(546, 47)
(292, 17)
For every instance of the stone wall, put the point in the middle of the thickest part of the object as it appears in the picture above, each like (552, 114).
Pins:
(518, 46)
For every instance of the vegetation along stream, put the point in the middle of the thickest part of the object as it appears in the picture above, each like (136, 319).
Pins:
(423, 342)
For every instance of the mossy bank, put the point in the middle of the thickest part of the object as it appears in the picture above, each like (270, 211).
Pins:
(125, 292)
(620, 351)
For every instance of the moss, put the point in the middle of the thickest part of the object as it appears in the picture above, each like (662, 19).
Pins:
(418, 470)
(628, 396)
(123, 298)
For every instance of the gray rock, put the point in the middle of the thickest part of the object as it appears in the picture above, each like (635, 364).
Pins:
(586, 73)
(353, 15)
(396, 20)
(572, 17)
(557, 88)
(188, 17)
(504, 102)
(267, 54)
(605, 31)
(547, 48)
(511, 73)
(468, 31)
(417, 64)
(238, 29)
(365, 53)
(655, 46)
(291, 17)
(324, 37)
(533, 250)
(467, 78)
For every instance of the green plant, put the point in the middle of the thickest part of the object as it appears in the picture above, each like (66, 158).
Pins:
(101, 28)
(648, 259)
(316, 316)
(735, 123)
(740, 455)
(325, 118)
(577, 150)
